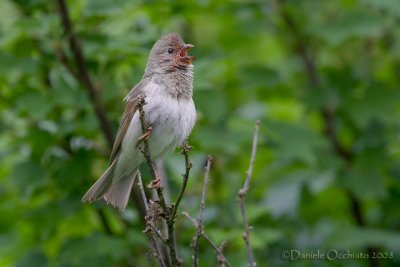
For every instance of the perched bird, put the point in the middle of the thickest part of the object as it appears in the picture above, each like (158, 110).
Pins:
(170, 113)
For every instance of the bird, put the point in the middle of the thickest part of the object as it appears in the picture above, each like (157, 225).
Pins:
(170, 114)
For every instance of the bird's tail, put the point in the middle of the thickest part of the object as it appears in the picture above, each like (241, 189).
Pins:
(118, 193)
(114, 192)
(98, 190)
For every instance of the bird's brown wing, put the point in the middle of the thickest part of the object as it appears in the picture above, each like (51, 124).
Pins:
(130, 109)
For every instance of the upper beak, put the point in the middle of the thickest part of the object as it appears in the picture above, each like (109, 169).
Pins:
(186, 47)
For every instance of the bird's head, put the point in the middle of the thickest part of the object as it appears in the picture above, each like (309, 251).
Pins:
(170, 53)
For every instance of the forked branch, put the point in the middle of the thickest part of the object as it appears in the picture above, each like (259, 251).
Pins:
(222, 261)
(150, 228)
(198, 224)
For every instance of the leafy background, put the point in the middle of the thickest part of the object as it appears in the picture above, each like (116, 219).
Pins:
(322, 76)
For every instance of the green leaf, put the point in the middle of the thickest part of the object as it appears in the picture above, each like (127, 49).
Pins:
(33, 258)
(283, 198)
(28, 176)
(351, 238)
(296, 143)
(393, 7)
(374, 103)
(37, 105)
(357, 24)
(96, 250)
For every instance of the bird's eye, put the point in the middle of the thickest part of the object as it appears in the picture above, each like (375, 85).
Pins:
(170, 50)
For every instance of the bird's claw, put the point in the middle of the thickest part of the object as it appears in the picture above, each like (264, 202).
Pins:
(155, 184)
(145, 136)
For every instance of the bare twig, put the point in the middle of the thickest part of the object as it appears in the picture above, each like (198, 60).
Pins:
(165, 209)
(157, 232)
(146, 153)
(222, 260)
(242, 195)
(200, 227)
(159, 165)
(156, 249)
(205, 188)
(168, 213)
(188, 165)
(171, 219)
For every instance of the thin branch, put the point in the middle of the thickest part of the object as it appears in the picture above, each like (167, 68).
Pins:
(222, 260)
(200, 226)
(156, 249)
(168, 214)
(242, 195)
(188, 165)
(83, 73)
(146, 153)
(171, 219)
(159, 165)
(205, 188)
(157, 232)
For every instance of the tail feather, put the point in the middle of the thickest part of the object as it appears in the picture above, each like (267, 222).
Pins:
(101, 187)
(118, 193)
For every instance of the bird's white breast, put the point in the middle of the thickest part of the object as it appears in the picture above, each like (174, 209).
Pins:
(172, 119)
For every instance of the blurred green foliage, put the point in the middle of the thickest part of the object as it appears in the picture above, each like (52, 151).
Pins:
(251, 64)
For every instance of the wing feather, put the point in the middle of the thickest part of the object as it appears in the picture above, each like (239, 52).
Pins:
(130, 109)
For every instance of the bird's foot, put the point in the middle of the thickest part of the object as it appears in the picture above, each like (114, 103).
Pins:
(155, 184)
(145, 135)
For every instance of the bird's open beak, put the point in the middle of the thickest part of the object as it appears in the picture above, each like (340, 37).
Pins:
(184, 56)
